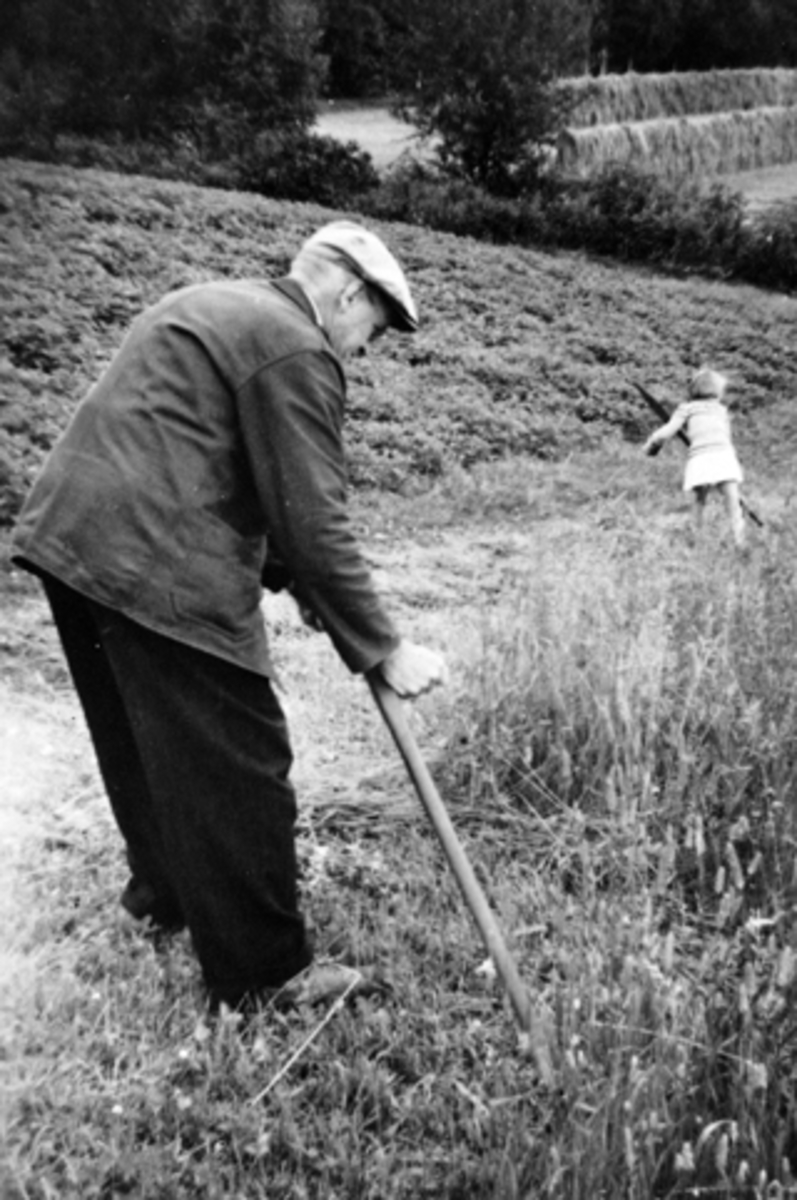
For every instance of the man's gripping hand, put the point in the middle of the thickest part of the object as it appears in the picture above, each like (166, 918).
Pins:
(411, 670)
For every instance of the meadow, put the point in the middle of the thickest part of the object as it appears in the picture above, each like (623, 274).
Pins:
(617, 749)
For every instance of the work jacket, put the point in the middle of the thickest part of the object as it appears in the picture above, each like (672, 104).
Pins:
(213, 441)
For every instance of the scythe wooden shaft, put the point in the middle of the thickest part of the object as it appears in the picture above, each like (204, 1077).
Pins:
(391, 709)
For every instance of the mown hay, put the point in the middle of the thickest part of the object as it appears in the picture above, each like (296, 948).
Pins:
(707, 145)
(617, 99)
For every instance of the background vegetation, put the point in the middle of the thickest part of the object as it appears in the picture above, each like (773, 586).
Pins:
(210, 73)
(224, 93)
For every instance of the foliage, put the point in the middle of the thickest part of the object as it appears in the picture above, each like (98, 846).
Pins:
(518, 352)
(359, 40)
(478, 75)
(685, 35)
(306, 166)
(138, 68)
(622, 212)
(768, 255)
(367, 40)
(477, 71)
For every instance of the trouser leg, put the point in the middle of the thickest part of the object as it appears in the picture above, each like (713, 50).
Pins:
(213, 745)
(115, 747)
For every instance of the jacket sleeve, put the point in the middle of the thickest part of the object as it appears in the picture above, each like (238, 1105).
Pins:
(291, 415)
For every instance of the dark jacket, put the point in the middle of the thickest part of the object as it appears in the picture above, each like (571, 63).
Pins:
(213, 440)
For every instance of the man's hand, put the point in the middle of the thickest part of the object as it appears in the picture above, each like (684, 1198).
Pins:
(309, 618)
(412, 669)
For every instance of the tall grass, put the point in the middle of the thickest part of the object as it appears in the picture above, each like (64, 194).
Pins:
(632, 734)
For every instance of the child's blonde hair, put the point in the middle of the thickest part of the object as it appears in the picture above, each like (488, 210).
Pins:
(707, 385)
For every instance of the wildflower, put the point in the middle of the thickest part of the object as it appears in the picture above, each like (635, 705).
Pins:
(685, 1159)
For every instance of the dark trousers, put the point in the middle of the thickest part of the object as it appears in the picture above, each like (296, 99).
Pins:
(195, 756)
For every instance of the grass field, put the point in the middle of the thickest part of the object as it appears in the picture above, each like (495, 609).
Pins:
(617, 749)
(375, 129)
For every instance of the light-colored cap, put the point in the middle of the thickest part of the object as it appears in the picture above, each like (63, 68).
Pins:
(707, 385)
(369, 258)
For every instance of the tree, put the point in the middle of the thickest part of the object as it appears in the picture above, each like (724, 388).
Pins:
(478, 75)
(355, 43)
(743, 33)
(261, 57)
(642, 35)
(141, 67)
(697, 35)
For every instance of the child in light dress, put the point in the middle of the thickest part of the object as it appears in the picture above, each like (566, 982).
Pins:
(711, 461)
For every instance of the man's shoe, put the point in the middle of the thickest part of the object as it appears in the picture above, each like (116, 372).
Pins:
(320, 983)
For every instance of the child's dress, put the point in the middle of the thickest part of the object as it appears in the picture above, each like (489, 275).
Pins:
(711, 458)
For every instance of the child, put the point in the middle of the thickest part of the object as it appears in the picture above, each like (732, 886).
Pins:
(712, 461)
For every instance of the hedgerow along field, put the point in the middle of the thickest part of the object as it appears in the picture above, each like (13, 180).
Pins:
(617, 749)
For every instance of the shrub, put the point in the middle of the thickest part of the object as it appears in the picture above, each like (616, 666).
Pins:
(633, 215)
(478, 74)
(306, 166)
(768, 251)
(623, 212)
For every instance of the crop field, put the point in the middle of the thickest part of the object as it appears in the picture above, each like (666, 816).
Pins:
(617, 748)
(680, 124)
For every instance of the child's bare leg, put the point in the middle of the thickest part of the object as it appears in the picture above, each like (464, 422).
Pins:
(733, 503)
(701, 495)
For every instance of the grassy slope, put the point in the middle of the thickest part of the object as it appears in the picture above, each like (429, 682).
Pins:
(119, 1084)
(518, 351)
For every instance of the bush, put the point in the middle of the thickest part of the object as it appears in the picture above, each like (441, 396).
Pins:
(478, 75)
(768, 254)
(630, 214)
(622, 213)
(307, 166)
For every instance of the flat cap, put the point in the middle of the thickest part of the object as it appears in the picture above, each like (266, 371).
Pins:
(369, 258)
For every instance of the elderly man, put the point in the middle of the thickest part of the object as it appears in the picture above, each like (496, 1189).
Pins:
(206, 462)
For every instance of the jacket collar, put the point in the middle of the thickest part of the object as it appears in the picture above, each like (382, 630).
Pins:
(294, 291)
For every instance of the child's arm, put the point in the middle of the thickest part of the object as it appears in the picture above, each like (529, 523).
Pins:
(665, 432)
